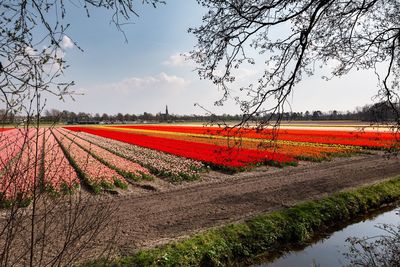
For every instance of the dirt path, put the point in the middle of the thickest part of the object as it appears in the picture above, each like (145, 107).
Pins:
(161, 217)
(145, 218)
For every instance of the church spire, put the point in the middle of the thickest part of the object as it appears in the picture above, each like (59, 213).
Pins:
(166, 110)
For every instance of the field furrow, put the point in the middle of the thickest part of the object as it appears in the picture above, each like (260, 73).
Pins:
(58, 174)
(162, 164)
(124, 166)
(95, 174)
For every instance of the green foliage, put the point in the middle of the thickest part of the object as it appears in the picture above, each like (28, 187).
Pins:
(106, 185)
(233, 170)
(147, 177)
(120, 184)
(21, 201)
(312, 159)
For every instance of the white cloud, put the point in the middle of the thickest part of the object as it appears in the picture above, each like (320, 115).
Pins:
(135, 94)
(30, 51)
(243, 74)
(66, 42)
(178, 60)
(158, 82)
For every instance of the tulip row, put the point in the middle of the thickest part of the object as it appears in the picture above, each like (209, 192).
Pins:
(164, 165)
(353, 138)
(217, 156)
(125, 167)
(21, 173)
(310, 151)
(58, 174)
(11, 146)
(95, 174)
(8, 137)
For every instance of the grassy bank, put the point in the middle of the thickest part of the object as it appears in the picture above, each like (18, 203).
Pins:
(240, 242)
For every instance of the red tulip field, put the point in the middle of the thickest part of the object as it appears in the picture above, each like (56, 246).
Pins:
(106, 157)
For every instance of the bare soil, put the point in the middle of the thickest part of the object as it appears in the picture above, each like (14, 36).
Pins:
(143, 218)
(217, 199)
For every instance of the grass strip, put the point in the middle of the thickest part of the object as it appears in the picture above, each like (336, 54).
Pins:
(268, 233)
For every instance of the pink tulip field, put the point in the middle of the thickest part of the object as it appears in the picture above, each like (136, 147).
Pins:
(58, 161)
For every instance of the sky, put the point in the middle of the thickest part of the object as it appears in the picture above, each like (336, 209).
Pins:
(147, 72)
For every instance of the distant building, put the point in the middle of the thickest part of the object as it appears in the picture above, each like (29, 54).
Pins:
(166, 111)
(164, 116)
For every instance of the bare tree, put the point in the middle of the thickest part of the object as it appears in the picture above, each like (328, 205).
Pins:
(36, 228)
(45, 218)
(291, 37)
(33, 35)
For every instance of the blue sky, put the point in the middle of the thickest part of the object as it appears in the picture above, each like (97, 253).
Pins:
(147, 72)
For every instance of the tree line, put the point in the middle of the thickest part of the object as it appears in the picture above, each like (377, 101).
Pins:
(379, 112)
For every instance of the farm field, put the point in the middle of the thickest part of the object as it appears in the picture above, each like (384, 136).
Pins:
(238, 148)
(164, 183)
(104, 158)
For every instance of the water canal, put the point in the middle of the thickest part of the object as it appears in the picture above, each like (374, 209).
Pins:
(329, 250)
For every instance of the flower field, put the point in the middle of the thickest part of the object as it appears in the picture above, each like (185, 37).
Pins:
(223, 157)
(220, 151)
(161, 164)
(94, 173)
(19, 168)
(297, 150)
(60, 161)
(101, 158)
(126, 168)
(4, 129)
(58, 174)
(239, 148)
(351, 138)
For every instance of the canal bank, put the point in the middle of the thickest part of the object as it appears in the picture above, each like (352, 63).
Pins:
(344, 244)
(240, 243)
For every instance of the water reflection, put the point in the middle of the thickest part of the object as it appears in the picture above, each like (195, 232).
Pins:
(329, 251)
